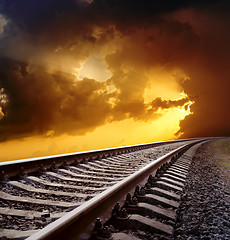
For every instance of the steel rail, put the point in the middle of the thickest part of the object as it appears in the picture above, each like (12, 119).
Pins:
(71, 225)
(13, 168)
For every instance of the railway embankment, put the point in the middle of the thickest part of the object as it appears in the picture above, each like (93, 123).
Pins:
(204, 212)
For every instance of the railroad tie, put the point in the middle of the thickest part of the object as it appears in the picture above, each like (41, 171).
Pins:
(123, 236)
(174, 177)
(10, 197)
(66, 186)
(100, 173)
(78, 180)
(171, 181)
(176, 173)
(153, 207)
(28, 214)
(143, 223)
(11, 234)
(158, 200)
(168, 186)
(104, 170)
(116, 168)
(179, 169)
(82, 176)
(146, 209)
(164, 193)
(51, 192)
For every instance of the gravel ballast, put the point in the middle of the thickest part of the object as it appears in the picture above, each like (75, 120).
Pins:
(204, 212)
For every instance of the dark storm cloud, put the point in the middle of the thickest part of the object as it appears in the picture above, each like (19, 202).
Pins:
(39, 102)
(163, 104)
(152, 32)
(209, 71)
(72, 16)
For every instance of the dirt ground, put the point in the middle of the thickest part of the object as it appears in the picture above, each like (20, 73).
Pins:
(221, 154)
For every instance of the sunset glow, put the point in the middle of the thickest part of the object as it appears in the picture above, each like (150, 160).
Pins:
(122, 133)
(82, 75)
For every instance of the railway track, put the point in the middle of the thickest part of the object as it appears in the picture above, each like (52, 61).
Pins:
(62, 196)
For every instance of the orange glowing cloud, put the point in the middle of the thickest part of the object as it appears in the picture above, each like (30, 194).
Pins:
(69, 68)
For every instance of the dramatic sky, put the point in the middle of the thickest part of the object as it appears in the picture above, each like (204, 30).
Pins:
(86, 74)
